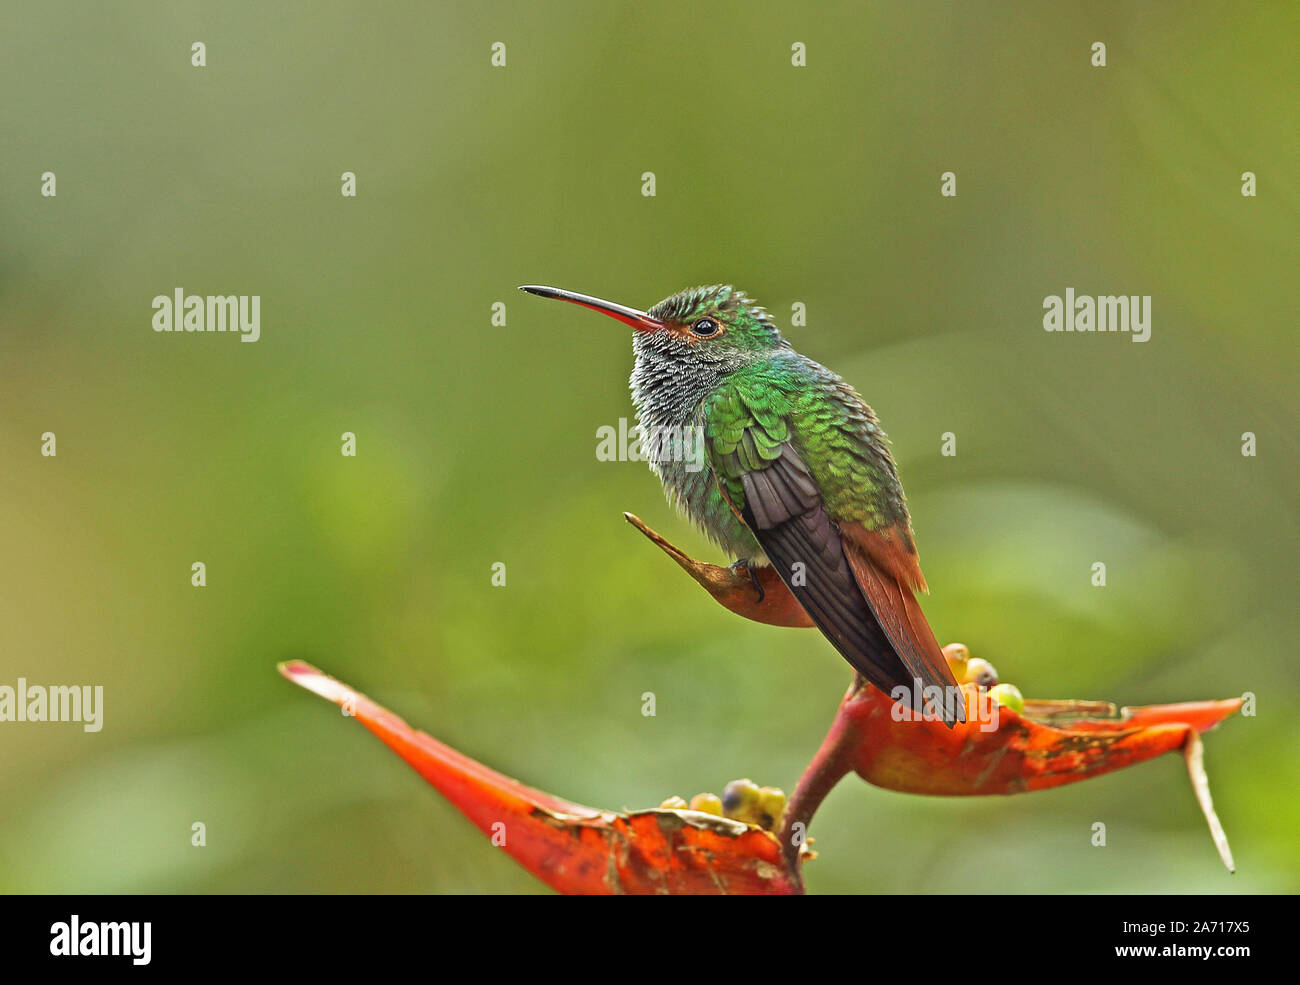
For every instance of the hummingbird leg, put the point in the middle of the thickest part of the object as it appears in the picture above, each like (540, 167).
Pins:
(753, 577)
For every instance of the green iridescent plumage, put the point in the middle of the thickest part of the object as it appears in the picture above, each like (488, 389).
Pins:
(789, 398)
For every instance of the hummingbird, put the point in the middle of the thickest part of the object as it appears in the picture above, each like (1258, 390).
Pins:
(797, 473)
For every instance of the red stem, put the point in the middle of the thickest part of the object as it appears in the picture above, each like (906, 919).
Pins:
(830, 764)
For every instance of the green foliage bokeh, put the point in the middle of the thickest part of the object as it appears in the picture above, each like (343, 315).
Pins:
(476, 443)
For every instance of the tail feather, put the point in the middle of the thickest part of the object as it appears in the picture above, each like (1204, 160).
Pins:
(887, 585)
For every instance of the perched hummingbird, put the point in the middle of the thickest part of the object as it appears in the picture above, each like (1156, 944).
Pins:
(797, 473)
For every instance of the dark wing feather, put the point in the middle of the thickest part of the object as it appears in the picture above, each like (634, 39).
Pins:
(784, 509)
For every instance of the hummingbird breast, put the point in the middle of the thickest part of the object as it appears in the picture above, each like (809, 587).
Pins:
(668, 392)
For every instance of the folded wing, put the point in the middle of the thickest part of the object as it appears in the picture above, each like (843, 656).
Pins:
(849, 585)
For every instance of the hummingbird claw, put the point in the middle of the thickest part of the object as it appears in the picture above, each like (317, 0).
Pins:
(753, 577)
(731, 589)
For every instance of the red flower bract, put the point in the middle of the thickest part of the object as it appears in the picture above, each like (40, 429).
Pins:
(1050, 743)
(572, 848)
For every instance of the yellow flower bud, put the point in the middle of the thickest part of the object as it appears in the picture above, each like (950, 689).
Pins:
(979, 672)
(741, 800)
(957, 654)
(707, 803)
(771, 801)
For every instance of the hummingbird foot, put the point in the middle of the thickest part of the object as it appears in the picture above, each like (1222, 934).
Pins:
(753, 576)
(776, 606)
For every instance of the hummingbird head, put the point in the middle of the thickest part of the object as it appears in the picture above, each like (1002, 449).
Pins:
(685, 344)
(716, 321)
(715, 325)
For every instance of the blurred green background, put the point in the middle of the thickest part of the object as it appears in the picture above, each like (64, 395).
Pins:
(476, 444)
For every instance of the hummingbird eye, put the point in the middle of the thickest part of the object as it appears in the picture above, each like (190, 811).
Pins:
(705, 327)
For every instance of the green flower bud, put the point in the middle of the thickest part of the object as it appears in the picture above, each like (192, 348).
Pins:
(1010, 696)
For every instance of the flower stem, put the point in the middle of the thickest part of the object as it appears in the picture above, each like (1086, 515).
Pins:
(830, 764)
